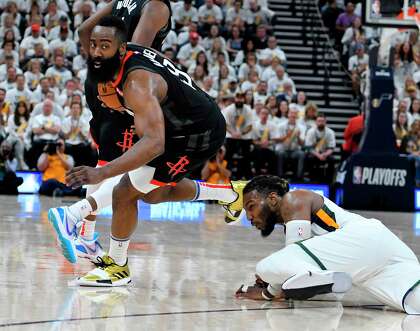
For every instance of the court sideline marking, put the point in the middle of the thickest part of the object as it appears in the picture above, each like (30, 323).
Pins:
(175, 313)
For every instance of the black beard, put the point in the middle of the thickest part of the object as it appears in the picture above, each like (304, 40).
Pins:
(270, 221)
(106, 71)
(239, 104)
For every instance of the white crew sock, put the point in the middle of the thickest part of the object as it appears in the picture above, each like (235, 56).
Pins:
(221, 192)
(87, 231)
(118, 249)
(80, 209)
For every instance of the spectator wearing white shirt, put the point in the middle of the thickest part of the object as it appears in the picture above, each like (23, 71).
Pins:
(64, 42)
(16, 126)
(252, 81)
(21, 4)
(234, 12)
(270, 71)
(82, 74)
(250, 64)
(79, 61)
(222, 79)
(358, 64)
(258, 15)
(41, 54)
(208, 87)
(170, 41)
(101, 4)
(281, 116)
(276, 83)
(309, 119)
(59, 72)
(9, 24)
(290, 142)
(184, 36)
(201, 59)
(214, 35)
(41, 91)
(69, 89)
(10, 82)
(27, 46)
(9, 61)
(248, 46)
(45, 127)
(264, 133)
(57, 109)
(86, 11)
(272, 51)
(320, 140)
(209, 14)
(77, 5)
(76, 132)
(63, 23)
(20, 93)
(53, 15)
(35, 20)
(185, 14)
(239, 122)
(217, 56)
(188, 53)
(8, 49)
(261, 93)
(11, 9)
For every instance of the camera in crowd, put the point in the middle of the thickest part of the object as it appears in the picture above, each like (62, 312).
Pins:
(6, 151)
(52, 146)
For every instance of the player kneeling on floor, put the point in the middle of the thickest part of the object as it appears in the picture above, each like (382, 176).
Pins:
(327, 249)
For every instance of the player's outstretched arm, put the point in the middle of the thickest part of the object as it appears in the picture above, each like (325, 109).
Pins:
(154, 17)
(142, 92)
(87, 26)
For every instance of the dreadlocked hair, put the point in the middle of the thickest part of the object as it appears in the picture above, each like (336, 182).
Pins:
(265, 184)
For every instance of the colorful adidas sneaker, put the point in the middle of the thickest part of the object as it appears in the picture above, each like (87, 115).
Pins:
(66, 230)
(107, 274)
(89, 249)
(233, 209)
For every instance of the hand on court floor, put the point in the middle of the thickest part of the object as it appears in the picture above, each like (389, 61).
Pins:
(249, 292)
(79, 176)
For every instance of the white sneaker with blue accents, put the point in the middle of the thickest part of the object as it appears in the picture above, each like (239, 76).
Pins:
(89, 249)
(65, 227)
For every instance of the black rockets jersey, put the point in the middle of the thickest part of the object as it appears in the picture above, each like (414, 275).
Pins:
(187, 109)
(112, 131)
(130, 12)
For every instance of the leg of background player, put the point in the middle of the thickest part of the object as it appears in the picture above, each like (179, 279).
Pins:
(188, 189)
(124, 219)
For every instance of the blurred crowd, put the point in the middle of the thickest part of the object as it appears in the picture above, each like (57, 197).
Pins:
(229, 49)
(354, 41)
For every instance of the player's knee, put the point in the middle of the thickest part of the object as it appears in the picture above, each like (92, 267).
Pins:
(269, 272)
(412, 302)
(124, 191)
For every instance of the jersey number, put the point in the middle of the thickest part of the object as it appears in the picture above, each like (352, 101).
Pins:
(183, 77)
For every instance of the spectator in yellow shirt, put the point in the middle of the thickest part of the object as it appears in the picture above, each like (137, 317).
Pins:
(215, 170)
(54, 163)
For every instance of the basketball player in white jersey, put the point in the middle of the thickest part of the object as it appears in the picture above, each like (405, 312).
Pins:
(327, 249)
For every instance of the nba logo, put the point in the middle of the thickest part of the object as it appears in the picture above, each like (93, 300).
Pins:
(300, 232)
(357, 175)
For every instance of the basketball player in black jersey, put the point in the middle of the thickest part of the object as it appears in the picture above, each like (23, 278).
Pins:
(179, 126)
(148, 23)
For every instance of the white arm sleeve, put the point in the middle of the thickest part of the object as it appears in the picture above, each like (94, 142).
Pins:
(297, 230)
